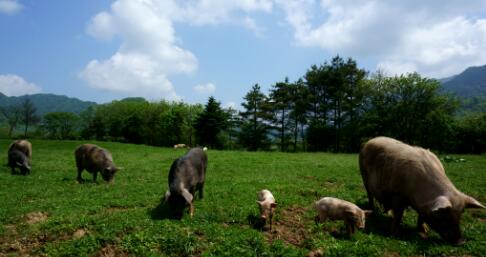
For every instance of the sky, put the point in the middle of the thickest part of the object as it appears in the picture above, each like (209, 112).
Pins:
(185, 50)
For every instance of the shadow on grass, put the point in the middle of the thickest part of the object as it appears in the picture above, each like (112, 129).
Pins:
(255, 222)
(380, 224)
(162, 212)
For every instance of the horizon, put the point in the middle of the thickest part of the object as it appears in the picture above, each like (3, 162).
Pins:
(102, 51)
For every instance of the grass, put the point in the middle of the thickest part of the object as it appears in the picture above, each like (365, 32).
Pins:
(50, 213)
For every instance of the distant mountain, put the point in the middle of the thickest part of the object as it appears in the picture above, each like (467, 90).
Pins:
(46, 103)
(469, 83)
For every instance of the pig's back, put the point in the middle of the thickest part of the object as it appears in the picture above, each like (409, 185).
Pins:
(389, 166)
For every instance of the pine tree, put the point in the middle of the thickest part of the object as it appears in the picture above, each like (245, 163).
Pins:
(210, 123)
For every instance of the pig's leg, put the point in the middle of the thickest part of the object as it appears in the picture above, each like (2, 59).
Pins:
(397, 220)
(349, 227)
(13, 169)
(271, 221)
(398, 207)
(422, 227)
(201, 194)
(80, 179)
(191, 209)
(95, 175)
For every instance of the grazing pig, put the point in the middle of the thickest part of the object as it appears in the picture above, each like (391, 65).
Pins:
(23, 146)
(17, 159)
(186, 176)
(337, 209)
(95, 159)
(180, 146)
(267, 205)
(398, 175)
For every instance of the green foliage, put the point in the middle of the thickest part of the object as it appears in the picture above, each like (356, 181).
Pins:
(470, 133)
(60, 125)
(409, 108)
(127, 217)
(136, 121)
(336, 92)
(210, 123)
(255, 117)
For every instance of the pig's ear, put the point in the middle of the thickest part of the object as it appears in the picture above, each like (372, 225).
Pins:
(273, 205)
(441, 202)
(166, 197)
(259, 203)
(187, 196)
(367, 213)
(472, 203)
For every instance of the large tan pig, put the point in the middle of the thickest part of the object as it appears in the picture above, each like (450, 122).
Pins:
(398, 175)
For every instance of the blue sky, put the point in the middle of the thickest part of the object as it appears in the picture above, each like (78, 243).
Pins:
(101, 50)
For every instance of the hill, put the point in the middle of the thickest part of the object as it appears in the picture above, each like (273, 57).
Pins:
(46, 103)
(469, 83)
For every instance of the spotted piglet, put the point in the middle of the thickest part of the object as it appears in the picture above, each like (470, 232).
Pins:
(337, 209)
(267, 205)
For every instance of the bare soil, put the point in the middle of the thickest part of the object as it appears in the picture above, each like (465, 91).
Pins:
(36, 217)
(290, 227)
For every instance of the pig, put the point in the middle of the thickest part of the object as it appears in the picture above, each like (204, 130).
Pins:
(23, 146)
(267, 205)
(398, 175)
(180, 146)
(186, 176)
(95, 159)
(338, 209)
(17, 159)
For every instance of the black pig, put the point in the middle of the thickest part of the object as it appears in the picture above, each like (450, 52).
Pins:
(17, 159)
(186, 176)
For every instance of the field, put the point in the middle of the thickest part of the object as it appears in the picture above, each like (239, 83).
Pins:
(50, 213)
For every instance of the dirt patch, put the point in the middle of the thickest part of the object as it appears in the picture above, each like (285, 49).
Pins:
(110, 251)
(116, 209)
(391, 254)
(36, 217)
(290, 227)
(80, 233)
(21, 246)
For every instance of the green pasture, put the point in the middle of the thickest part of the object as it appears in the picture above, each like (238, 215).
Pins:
(48, 213)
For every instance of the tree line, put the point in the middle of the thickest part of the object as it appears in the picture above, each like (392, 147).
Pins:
(335, 106)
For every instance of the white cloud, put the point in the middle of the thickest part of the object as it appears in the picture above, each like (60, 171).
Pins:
(14, 85)
(206, 89)
(148, 55)
(10, 7)
(150, 52)
(435, 38)
(252, 25)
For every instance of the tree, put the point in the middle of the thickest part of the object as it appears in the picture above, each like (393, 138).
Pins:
(234, 123)
(257, 113)
(60, 125)
(299, 109)
(409, 108)
(210, 123)
(28, 116)
(13, 115)
(280, 100)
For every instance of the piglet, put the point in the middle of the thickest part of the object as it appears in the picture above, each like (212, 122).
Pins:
(267, 205)
(337, 209)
